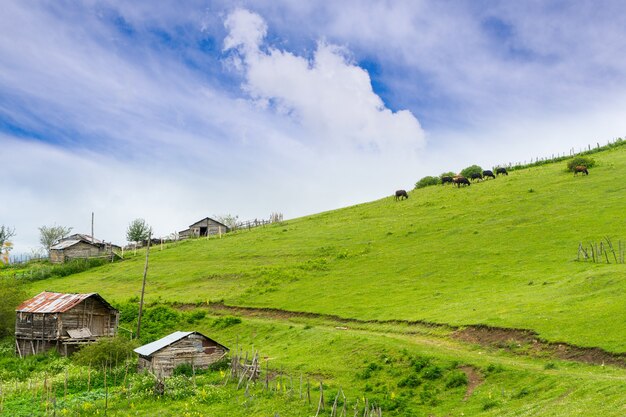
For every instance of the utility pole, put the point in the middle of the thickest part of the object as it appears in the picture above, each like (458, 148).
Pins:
(143, 285)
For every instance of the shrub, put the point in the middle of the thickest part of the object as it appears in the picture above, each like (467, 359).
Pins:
(226, 321)
(111, 350)
(580, 160)
(426, 181)
(184, 369)
(410, 381)
(456, 379)
(473, 169)
(432, 372)
(447, 174)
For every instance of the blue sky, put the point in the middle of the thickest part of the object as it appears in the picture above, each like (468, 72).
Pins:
(180, 110)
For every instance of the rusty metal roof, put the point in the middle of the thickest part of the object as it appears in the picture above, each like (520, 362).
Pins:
(56, 302)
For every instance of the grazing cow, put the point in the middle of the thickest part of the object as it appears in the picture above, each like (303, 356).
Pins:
(401, 194)
(458, 180)
(501, 171)
(445, 180)
(488, 174)
(580, 168)
(476, 176)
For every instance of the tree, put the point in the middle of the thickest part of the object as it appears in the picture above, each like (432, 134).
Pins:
(473, 169)
(49, 235)
(426, 181)
(228, 220)
(6, 233)
(138, 230)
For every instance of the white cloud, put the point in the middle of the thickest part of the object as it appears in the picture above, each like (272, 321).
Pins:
(330, 97)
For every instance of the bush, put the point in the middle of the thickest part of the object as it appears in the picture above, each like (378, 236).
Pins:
(447, 174)
(580, 160)
(226, 321)
(456, 379)
(426, 181)
(111, 350)
(473, 169)
(185, 369)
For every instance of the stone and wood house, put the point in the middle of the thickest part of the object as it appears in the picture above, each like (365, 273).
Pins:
(79, 246)
(162, 356)
(53, 320)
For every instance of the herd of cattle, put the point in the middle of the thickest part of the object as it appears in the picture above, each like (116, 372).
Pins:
(460, 179)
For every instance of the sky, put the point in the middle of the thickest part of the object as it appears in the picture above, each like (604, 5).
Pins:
(172, 111)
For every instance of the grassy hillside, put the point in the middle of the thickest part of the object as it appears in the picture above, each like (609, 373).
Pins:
(501, 252)
(375, 278)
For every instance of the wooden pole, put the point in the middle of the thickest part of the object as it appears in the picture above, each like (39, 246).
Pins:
(143, 286)
(92, 227)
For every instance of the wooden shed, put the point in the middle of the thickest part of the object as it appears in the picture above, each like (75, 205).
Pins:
(63, 322)
(162, 356)
(204, 227)
(79, 246)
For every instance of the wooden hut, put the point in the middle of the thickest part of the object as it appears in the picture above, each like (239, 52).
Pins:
(204, 227)
(63, 322)
(79, 246)
(162, 356)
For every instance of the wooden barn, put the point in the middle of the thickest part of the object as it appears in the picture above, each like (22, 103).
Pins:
(204, 227)
(80, 246)
(53, 320)
(162, 356)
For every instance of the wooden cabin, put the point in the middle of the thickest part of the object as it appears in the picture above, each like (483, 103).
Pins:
(162, 356)
(204, 227)
(53, 320)
(79, 246)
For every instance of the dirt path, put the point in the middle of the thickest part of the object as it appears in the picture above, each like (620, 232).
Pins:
(517, 341)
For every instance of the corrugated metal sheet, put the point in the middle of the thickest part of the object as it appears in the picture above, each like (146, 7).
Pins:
(150, 348)
(64, 244)
(55, 302)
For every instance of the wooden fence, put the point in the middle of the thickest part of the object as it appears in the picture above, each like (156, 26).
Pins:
(247, 371)
(603, 252)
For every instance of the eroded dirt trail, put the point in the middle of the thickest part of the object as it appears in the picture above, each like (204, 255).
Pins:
(517, 341)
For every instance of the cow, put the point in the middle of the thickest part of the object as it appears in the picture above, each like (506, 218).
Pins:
(489, 174)
(445, 180)
(458, 180)
(401, 194)
(476, 176)
(501, 171)
(580, 168)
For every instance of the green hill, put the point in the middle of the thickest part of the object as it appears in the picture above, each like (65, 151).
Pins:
(502, 252)
(457, 301)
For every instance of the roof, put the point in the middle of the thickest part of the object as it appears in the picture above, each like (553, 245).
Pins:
(153, 347)
(207, 219)
(56, 302)
(64, 244)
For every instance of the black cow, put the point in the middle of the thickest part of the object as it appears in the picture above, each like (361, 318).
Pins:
(476, 176)
(445, 180)
(501, 171)
(401, 194)
(460, 180)
(580, 168)
(488, 174)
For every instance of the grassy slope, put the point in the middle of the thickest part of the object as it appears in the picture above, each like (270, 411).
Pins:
(493, 253)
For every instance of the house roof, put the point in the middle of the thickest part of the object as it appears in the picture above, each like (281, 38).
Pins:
(207, 219)
(56, 302)
(153, 347)
(64, 244)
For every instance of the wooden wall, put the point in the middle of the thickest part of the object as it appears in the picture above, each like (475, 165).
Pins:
(49, 330)
(194, 349)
